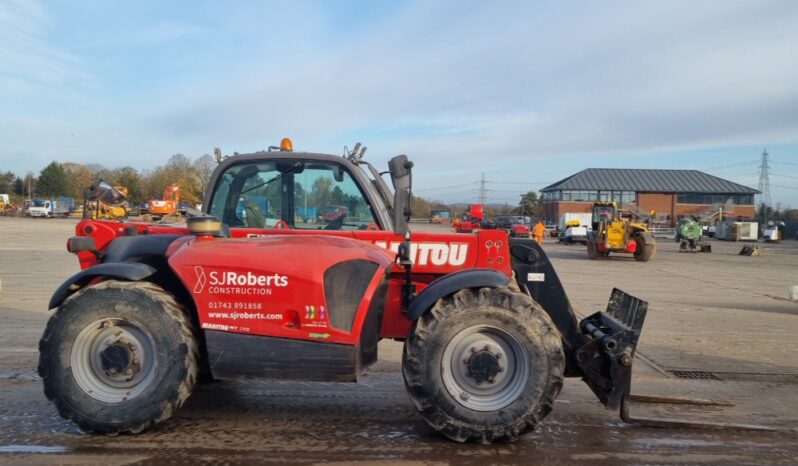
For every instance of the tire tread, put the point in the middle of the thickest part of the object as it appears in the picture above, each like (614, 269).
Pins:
(188, 369)
(430, 322)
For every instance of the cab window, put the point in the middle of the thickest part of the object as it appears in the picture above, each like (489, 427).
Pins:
(304, 195)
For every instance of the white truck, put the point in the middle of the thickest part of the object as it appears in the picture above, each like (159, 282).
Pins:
(772, 232)
(48, 208)
(574, 227)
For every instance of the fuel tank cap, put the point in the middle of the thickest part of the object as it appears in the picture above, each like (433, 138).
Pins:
(204, 225)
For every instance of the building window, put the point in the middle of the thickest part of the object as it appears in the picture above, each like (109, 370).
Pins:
(714, 198)
(583, 196)
(621, 197)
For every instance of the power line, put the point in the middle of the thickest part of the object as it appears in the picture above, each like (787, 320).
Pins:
(446, 187)
(731, 165)
(743, 176)
(785, 163)
(504, 191)
(518, 182)
(784, 187)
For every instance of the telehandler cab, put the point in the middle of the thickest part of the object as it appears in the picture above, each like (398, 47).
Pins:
(252, 289)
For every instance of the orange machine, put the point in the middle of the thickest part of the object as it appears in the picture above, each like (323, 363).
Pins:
(167, 205)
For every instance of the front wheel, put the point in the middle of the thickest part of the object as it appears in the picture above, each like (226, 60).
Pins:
(118, 357)
(646, 247)
(484, 365)
(592, 250)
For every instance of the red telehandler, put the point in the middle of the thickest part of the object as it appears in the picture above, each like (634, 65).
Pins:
(246, 290)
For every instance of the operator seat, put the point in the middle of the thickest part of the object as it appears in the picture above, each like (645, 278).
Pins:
(255, 217)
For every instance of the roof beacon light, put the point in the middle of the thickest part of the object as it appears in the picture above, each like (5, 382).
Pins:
(286, 145)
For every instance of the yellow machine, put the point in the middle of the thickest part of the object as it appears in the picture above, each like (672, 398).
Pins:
(106, 202)
(5, 204)
(113, 211)
(611, 233)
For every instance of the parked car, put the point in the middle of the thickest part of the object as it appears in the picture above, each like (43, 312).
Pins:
(513, 224)
(332, 212)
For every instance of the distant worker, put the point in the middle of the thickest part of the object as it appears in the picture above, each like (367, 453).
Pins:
(538, 231)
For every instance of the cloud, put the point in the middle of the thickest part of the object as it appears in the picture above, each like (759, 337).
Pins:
(571, 80)
(27, 60)
(529, 89)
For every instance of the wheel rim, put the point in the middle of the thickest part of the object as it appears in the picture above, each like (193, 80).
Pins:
(113, 360)
(485, 368)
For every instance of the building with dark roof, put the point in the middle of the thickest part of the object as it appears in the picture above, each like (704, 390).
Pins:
(672, 194)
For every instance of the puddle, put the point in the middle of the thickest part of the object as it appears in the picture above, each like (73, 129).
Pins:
(17, 375)
(32, 449)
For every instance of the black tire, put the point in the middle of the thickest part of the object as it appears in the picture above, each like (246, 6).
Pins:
(108, 328)
(592, 253)
(531, 380)
(646, 247)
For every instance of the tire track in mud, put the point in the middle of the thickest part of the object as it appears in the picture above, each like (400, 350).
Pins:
(315, 423)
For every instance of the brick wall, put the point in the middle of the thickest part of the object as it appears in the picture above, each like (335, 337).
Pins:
(664, 204)
(554, 209)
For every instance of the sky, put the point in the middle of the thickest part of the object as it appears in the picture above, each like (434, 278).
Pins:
(526, 92)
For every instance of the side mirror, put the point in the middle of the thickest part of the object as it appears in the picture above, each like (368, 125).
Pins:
(402, 178)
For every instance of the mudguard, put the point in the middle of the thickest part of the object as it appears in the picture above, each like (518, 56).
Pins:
(129, 248)
(131, 271)
(448, 284)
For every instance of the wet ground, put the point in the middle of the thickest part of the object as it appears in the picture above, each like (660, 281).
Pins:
(722, 320)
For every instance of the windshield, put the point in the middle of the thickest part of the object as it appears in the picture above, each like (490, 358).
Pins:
(302, 194)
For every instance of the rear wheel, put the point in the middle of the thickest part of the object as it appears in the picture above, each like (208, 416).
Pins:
(118, 357)
(484, 365)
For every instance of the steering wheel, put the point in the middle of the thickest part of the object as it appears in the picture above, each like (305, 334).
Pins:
(282, 224)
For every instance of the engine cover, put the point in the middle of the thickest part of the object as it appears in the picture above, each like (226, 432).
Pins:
(316, 288)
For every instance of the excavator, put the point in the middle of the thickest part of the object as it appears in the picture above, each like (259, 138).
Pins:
(167, 206)
(613, 234)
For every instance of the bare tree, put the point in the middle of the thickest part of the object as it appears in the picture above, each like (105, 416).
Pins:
(204, 166)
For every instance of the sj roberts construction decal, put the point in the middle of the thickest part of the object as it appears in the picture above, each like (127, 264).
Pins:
(431, 253)
(234, 283)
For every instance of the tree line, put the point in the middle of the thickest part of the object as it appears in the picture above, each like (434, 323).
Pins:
(528, 205)
(71, 179)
